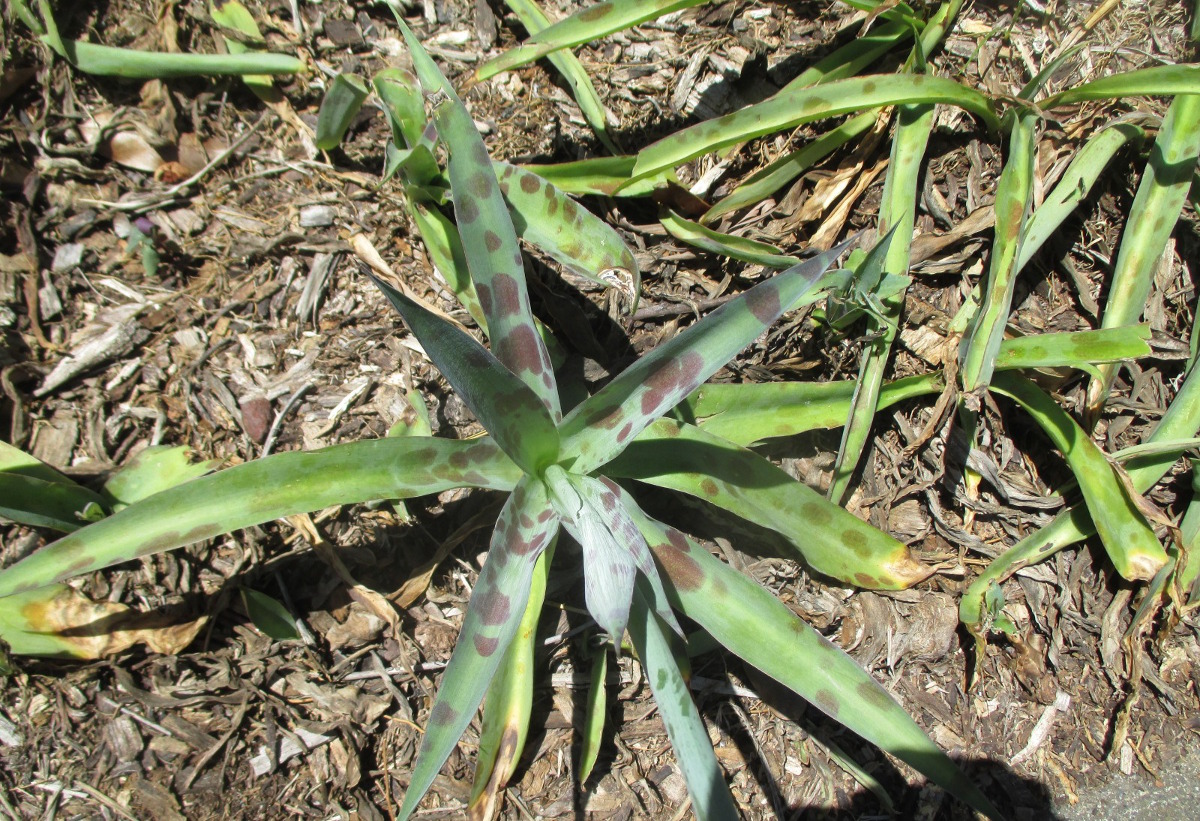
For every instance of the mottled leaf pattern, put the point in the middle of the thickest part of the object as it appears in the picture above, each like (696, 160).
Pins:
(759, 628)
(549, 219)
(601, 427)
(689, 737)
(792, 107)
(614, 550)
(683, 457)
(488, 238)
(510, 411)
(525, 528)
(250, 494)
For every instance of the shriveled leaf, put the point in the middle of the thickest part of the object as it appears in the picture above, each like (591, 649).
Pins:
(511, 412)
(250, 494)
(601, 427)
(525, 528)
(60, 622)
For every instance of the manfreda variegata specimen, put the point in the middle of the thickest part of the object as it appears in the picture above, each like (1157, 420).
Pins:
(638, 572)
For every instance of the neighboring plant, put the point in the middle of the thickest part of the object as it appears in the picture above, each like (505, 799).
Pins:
(94, 58)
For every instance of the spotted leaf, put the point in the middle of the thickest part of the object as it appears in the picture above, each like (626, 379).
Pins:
(576, 238)
(256, 492)
(510, 411)
(689, 738)
(759, 628)
(683, 457)
(586, 25)
(525, 528)
(602, 426)
(489, 240)
(614, 550)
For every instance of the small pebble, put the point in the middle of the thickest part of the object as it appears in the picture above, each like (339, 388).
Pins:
(316, 216)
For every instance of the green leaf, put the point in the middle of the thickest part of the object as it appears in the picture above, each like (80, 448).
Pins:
(1154, 81)
(829, 539)
(614, 551)
(601, 427)
(401, 96)
(1152, 218)
(256, 492)
(590, 105)
(511, 412)
(689, 738)
(526, 526)
(597, 707)
(1073, 525)
(488, 238)
(788, 109)
(269, 616)
(1075, 184)
(586, 25)
(509, 703)
(981, 344)
(1127, 537)
(153, 470)
(342, 101)
(575, 237)
(756, 626)
(35, 494)
(728, 245)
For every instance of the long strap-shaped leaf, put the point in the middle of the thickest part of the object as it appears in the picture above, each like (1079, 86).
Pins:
(600, 428)
(525, 528)
(756, 626)
(509, 410)
(490, 243)
(263, 490)
(685, 458)
(1126, 535)
(584, 26)
(802, 105)
(689, 738)
(1157, 80)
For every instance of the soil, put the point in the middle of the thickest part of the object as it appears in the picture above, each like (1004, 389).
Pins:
(250, 329)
